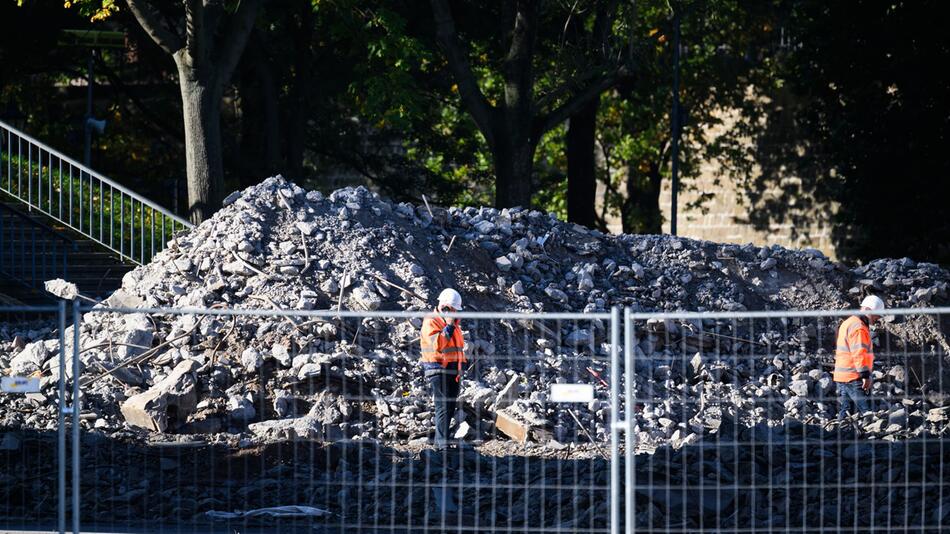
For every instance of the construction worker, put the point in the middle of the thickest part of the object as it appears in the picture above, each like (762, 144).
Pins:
(442, 360)
(854, 358)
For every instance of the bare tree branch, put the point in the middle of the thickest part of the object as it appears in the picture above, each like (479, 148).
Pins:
(578, 100)
(473, 98)
(235, 36)
(603, 21)
(150, 21)
(153, 119)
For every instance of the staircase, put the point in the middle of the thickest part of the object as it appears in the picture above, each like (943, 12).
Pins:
(32, 251)
(60, 219)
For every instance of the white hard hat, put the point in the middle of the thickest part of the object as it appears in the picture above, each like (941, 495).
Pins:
(873, 303)
(450, 297)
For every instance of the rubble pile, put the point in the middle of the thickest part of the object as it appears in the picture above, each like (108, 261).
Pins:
(246, 379)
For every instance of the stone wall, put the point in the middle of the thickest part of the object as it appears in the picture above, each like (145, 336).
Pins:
(727, 214)
(725, 217)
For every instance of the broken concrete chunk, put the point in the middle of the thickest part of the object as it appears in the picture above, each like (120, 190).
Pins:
(122, 298)
(62, 289)
(556, 294)
(251, 359)
(30, 359)
(279, 352)
(305, 427)
(237, 267)
(799, 387)
(509, 425)
(241, 408)
(228, 200)
(166, 404)
(581, 337)
(485, 227)
(136, 337)
(521, 424)
(364, 298)
(517, 288)
(308, 228)
(508, 395)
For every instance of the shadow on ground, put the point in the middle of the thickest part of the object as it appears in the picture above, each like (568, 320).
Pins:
(790, 477)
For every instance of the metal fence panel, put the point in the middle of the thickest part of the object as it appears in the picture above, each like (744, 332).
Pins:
(733, 425)
(330, 413)
(33, 465)
(319, 421)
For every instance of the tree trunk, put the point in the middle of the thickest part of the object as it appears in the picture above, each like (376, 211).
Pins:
(641, 212)
(201, 107)
(514, 162)
(581, 166)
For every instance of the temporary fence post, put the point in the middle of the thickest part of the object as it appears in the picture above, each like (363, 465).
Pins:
(629, 411)
(60, 430)
(614, 429)
(76, 408)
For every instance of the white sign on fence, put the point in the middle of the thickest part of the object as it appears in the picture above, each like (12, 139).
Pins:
(572, 392)
(19, 384)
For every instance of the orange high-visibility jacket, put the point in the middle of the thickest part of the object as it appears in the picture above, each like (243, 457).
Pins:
(853, 356)
(439, 349)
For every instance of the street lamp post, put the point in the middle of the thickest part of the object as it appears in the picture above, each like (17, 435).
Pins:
(675, 123)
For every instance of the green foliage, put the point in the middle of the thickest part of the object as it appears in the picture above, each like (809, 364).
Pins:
(723, 44)
(550, 175)
(399, 96)
(844, 97)
(95, 10)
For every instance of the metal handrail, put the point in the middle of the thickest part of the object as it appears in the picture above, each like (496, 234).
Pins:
(82, 199)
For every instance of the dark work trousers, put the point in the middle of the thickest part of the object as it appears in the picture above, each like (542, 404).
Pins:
(445, 391)
(849, 392)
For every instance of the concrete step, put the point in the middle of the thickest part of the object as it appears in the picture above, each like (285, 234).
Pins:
(33, 247)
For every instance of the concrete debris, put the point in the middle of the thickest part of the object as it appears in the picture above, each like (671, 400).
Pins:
(241, 408)
(305, 427)
(508, 395)
(277, 246)
(251, 359)
(168, 403)
(507, 423)
(62, 289)
(30, 359)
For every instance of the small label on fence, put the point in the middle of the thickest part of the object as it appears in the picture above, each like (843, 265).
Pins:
(572, 392)
(19, 384)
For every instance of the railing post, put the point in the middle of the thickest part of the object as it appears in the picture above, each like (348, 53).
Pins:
(84, 218)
